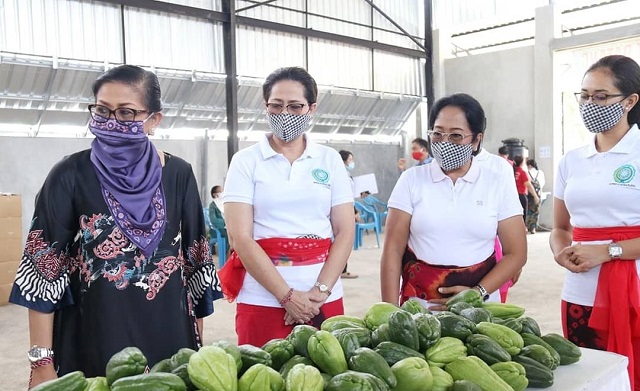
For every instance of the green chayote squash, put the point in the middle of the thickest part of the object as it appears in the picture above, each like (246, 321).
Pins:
(260, 377)
(325, 350)
(442, 381)
(213, 369)
(281, 350)
(304, 378)
(412, 374)
(378, 314)
(445, 350)
(127, 362)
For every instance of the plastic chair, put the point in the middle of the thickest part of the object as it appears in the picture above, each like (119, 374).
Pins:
(374, 225)
(380, 208)
(218, 240)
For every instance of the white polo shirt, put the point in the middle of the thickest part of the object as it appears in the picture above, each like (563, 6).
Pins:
(455, 224)
(289, 201)
(599, 189)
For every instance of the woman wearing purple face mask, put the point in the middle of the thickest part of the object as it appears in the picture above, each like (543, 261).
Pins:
(289, 209)
(596, 234)
(443, 217)
(117, 253)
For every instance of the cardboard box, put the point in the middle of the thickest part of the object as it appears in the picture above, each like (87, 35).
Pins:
(5, 290)
(10, 228)
(10, 205)
(10, 250)
(8, 272)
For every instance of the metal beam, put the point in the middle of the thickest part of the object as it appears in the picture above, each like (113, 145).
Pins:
(231, 83)
(265, 24)
(429, 92)
(254, 5)
(177, 9)
(393, 22)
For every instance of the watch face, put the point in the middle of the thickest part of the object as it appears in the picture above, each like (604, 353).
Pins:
(615, 250)
(323, 288)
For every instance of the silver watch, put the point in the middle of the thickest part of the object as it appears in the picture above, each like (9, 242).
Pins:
(615, 250)
(323, 288)
(483, 292)
(37, 353)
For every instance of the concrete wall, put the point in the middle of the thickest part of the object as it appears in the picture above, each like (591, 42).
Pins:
(25, 163)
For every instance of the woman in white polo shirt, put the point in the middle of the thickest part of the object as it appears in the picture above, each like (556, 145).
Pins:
(443, 217)
(596, 234)
(289, 209)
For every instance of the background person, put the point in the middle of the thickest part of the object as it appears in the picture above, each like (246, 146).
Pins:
(419, 153)
(523, 185)
(536, 177)
(216, 216)
(117, 253)
(440, 247)
(289, 208)
(350, 165)
(596, 214)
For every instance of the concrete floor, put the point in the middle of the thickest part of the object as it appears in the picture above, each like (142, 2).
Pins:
(538, 291)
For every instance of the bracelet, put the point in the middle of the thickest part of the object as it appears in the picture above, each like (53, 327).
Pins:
(287, 297)
(41, 363)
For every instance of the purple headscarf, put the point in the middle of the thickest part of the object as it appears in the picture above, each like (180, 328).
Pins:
(130, 175)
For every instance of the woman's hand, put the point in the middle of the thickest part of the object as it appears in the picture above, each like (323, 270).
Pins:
(567, 259)
(586, 257)
(300, 309)
(42, 374)
(446, 290)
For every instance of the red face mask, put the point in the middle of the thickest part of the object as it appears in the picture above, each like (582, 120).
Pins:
(416, 155)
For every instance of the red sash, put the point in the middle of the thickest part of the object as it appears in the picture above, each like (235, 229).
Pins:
(616, 309)
(281, 251)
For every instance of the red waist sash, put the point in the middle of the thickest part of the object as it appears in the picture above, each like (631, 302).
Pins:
(616, 309)
(281, 251)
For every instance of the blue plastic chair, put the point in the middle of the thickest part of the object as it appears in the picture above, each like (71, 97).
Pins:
(380, 208)
(366, 210)
(218, 240)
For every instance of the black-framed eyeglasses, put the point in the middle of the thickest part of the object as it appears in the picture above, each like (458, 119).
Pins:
(292, 108)
(124, 115)
(599, 98)
(455, 138)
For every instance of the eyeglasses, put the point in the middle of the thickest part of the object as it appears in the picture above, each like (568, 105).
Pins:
(599, 98)
(292, 108)
(455, 138)
(123, 115)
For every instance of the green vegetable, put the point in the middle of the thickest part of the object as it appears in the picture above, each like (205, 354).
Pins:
(501, 310)
(378, 314)
(476, 315)
(487, 349)
(325, 350)
(281, 350)
(73, 381)
(304, 378)
(445, 350)
(97, 384)
(428, 330)
(403, 330)
(213, 369)
(569, 352)
(459, 306)
(512, 323)
(158, 381)
(540, 354)
(182, 372)
(352, 321)
(529, 325)
(260, 377)
(128, 362)
(442, 381)
(538, 375)
(477, 371)
(413, 306)
(252, 355)
(182, 356)
(510, 340)
(512, 373)
(299, 337)
(464, 385)
(348, 342)
(162, 366)
(293, 361)
(380, 334)
(355, 381)
(412, 374)
(368, 361)
(231, 349)
(531, 339)
(393, 352)
(363, 334)
(470, 296)
(452, 325)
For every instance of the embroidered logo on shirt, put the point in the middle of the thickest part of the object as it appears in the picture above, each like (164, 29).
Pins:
(320, 175)
(624, 174)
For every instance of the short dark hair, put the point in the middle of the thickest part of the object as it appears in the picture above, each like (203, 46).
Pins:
(532, 163)
(626, 78)
(345, 155)
(214, 188)
(471, 108)
(421, 142)
(292, 73)
(503, 150)
(145, 81)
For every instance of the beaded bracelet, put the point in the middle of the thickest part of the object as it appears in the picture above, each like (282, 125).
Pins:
(42, 362)
(287, 297)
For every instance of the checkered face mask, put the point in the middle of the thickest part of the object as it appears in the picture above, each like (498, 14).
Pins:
(600, 118)
(287, 126)
(450, 156)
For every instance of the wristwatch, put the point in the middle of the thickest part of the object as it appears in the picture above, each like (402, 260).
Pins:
(323, 288)
(37, 353)
(615, 250)
(483, 292)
